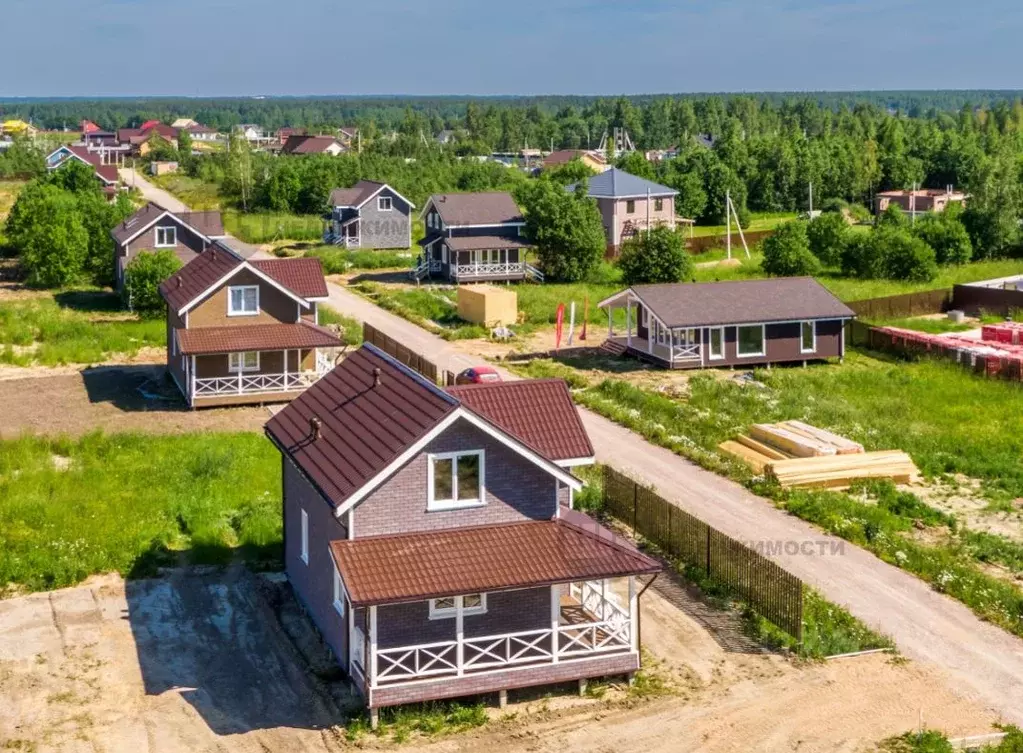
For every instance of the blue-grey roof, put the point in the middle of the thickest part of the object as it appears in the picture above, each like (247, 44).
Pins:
(618, 184)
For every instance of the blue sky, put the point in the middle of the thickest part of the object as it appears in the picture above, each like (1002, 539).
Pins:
(230, 47)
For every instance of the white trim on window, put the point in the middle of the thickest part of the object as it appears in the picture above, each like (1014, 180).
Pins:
(339, 595)
(385, 203)
(738, 341)
(802, 337)
(169, 233)
(457, 501)
(242, 361)
(711, 355)
(243, 308)
(305, 537)
(446, 608)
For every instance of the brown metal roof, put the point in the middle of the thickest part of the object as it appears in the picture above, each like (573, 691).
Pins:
(480, 242)
(208, 340)
(365, 426)
(494, 208)
(776, 299)
(564, 156)
(419, 566)
(208, 224)
(540, 412)
(354, 196)
(300, 144)
(302, 276)
(196, 277)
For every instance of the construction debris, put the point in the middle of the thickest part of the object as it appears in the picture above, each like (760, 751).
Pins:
(799, 455)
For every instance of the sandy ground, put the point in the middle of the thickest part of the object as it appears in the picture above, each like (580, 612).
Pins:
(73, 402)
(226, 662)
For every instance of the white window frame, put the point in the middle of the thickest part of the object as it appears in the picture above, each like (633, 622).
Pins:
(455, 503)
(446, 613)
(165, 229)
(236, 362)
(710, 344)
(763, 341)
(304, 554)
(231, 311)
(813, 347)
(382, 200)
(339, 593)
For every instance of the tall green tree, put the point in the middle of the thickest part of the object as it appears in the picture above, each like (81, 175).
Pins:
(659, 255)
(787, 252)
(565, 227)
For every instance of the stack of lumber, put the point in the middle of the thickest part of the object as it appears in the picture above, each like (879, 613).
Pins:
(799, 455)
(839, 471)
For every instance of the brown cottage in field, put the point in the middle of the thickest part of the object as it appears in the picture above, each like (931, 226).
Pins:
(153, 228)
(474, 237)
(303, 144)
(431, 537)
(740, 323)
(242, 332)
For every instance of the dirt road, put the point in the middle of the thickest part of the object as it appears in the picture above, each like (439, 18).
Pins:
(228, 662)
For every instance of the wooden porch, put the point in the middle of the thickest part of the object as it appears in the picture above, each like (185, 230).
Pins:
(675, 356)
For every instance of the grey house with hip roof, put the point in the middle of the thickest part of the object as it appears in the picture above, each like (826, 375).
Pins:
(629, 204)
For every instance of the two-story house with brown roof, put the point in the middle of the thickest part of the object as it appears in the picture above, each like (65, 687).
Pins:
(369, 215)
(246, 331)
(430, 535)
(153, 228)
(474, 237)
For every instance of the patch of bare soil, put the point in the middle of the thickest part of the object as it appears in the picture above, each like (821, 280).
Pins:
(112, 398)
(962, 497)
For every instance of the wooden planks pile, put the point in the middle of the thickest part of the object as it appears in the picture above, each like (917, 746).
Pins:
(799, 456)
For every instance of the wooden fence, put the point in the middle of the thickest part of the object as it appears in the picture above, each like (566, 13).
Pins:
(398, 351)
(703, 243)
(908, 304)
(996, 301)
(771, 590)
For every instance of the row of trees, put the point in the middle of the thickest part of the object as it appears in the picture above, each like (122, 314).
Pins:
(60, 227)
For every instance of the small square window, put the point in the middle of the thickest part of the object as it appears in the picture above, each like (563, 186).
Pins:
(243, 361)
(630, 207)
(243, 300)
(455, 480)
(384, 203)
(166, 237)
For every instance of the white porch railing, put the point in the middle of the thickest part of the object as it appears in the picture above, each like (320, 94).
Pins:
(490, 269)
(533, 647)
(252, 384)
(685, 352)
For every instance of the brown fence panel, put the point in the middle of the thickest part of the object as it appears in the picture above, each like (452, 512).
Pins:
(401, 353)
(704, 243)
(768, 588)
(996, 301)
(908, 304)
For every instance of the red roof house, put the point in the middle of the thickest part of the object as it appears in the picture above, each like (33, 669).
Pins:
(430, 535)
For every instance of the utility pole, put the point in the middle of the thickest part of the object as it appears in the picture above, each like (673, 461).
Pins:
(728, 221)
(811, 199)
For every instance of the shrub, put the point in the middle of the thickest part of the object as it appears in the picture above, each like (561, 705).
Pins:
(893, 217)
(863, 257)
(657, 256)
(947, 235)
(142, 278)
(46, 228)
(787, 252)
(907, 257)
(827, 236)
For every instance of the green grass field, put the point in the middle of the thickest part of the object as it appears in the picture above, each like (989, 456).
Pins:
(80, 326)
(129, 503)
(758, 221)
(196, 193)
(352, 327)
(338, 261)
(264, 227)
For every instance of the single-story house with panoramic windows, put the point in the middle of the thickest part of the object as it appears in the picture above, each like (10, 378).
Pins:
(738, 323)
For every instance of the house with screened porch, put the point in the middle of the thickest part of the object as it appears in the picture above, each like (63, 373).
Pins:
(742, 323)
(431, 536)
(246, 331)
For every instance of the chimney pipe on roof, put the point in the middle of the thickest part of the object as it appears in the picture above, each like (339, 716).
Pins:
(376, 377)
(315, 427)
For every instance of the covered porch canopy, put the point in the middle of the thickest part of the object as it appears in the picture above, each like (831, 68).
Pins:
(672, 345)
(573, 556)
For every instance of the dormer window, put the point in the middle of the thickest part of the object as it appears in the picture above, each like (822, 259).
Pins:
(166, 237)
(384, 203)
(243, 300)
(455, 480)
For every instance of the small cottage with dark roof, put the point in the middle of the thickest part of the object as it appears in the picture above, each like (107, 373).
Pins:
(629, 204)
(474, 237)
(369, 215)
(246, 332)
(739, 323)
(153, 228)
(431, 536)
